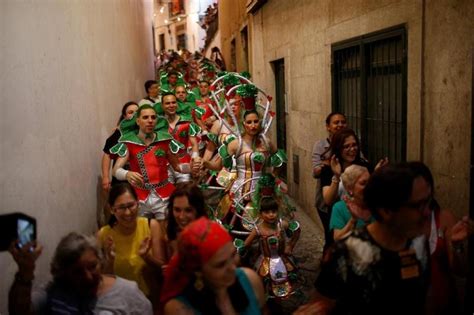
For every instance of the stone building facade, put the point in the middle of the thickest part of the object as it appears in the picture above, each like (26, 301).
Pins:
(303, 38)
(176, 24)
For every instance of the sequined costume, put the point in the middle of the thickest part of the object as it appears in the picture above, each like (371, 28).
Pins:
(273, 265)
(250, 163)
(249, 166)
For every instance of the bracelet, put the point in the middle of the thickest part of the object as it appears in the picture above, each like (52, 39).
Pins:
(335, 179)
(194, 155)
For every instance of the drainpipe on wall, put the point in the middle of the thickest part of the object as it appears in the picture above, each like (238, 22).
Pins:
(422, 85)
(469, 298)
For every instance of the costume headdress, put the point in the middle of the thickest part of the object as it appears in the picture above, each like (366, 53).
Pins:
(248, 93)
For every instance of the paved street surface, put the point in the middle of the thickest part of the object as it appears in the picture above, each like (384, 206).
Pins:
(308, 253)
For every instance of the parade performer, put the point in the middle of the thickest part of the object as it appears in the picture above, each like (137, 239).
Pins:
(275, 263)
(202, 113)
(149, 152)
(252, 151)
(184, 131)
(170, 80)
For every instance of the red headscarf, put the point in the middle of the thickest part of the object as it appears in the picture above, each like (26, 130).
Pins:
(197, 243)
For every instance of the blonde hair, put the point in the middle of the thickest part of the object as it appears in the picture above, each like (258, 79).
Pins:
(351, 174)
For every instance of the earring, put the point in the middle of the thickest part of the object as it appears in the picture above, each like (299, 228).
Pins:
(198, 283)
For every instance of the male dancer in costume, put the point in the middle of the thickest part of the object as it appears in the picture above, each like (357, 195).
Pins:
(149, 151)
(184, 131)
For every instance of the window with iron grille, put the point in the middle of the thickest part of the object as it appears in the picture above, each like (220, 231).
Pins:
(369, 86)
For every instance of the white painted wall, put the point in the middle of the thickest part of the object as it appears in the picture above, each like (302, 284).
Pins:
(67, 67)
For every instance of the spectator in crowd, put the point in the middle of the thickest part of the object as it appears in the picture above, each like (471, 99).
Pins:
(381, 268)
(320, 159)
(350, 212)
(128, 110)
(108, 160)
(78, 285)
(321, 155)
(217, 58)
(186, 204)
(345, 150)
(203, 277)
(152, 90)
(447, 238)
(127, 241)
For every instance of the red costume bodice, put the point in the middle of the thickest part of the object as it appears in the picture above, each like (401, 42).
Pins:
(181, 134)
(204, 105)
(151, 162)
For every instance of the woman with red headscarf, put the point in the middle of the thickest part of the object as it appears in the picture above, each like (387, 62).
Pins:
(203, 278)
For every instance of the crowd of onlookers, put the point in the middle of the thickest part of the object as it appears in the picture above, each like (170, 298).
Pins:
(390, 248)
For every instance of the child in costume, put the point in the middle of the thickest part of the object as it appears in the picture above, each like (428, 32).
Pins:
(275, 263)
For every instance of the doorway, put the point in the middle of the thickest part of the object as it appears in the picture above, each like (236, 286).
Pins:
(281, 113)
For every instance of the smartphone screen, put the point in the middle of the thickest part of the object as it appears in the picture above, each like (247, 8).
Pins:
(26, 231)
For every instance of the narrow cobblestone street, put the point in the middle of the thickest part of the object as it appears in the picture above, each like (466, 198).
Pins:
(308, 253)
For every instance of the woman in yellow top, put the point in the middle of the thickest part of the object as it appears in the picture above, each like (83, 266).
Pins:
(127, 242)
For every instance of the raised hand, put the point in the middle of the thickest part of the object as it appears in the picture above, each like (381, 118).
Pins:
(462, 230)
(26, 257)
(145, 246)
(381, 163)
(335, 166)
(109, 247)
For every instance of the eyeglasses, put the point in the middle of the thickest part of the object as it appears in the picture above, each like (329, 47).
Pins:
(347, 147)
(131, 206)
(420, 205)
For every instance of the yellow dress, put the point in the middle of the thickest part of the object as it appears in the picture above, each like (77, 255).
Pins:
(128, 264)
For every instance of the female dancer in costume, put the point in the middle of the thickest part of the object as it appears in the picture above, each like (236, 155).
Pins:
(252, 158)
(252, 153)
